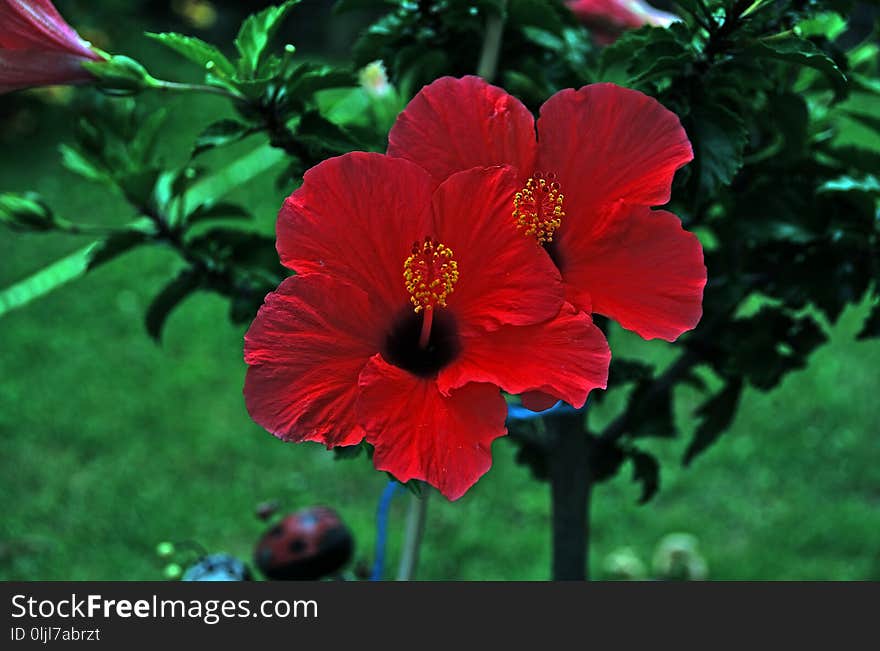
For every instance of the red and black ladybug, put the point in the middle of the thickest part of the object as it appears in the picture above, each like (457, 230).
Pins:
(305, 546)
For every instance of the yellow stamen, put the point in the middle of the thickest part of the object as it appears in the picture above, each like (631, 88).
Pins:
(537, 208)
(430, 274)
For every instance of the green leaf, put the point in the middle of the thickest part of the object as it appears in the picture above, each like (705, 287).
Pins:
(629, 370)
(72, 266)
(255, 34)
(716, 413)
(804, 53)
(218, 211)
(827, 24)
(646, 471)
(203, 54)
(223, 132)
(79, 164)
(319, 133)
(26, 213)
(536, 13)
(142, 148)
(867, 184)
(720, 137)
(348, 451)
(239, 172)
(870, 121)
(116, 245)
(651, 412)
(871, 327)
(170, 297)
(47, 279)
(308, 79)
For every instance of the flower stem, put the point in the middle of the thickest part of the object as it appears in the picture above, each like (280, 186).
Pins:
(415, 530)
(427, 320)
(178, 87)
(488, 64)
(571, 484)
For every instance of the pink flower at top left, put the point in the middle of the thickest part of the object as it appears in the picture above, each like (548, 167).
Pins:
(38, 48)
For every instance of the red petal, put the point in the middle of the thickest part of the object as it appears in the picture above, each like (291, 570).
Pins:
(36, 25)
(305, 351)
(505, 278)
(566, 357)
(356, 218)
(645, 272)
(25, 69)
(607, 144)
(455, 124)
(419, 433)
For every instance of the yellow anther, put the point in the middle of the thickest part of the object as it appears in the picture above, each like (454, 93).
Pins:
(430, 274)
(537, 208)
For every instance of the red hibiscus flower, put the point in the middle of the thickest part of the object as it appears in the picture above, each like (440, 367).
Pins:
(38, 48)
(604, 156)
(413, 303)
(608, 19)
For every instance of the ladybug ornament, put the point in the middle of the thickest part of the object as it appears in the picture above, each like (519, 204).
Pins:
(305, 546)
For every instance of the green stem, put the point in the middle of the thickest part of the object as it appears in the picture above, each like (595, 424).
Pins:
(571, 488)
(488, 65)
(755, 6)
(415, 531)
(178, 87)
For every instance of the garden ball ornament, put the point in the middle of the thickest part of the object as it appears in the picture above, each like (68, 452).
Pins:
(305, 546)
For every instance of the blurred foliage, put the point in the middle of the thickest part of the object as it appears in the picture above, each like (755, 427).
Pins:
(785, 205)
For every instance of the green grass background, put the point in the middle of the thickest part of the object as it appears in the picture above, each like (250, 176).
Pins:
(110, 443)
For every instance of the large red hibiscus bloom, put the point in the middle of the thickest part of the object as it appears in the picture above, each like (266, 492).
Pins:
(603, 156)
(38, 48)
(414, 302)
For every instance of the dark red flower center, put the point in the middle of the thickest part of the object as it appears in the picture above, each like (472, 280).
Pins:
(537, 208)
(424, 339)
(403, 347)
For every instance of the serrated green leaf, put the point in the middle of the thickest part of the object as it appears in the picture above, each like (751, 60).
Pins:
(203, 54)
(646, 471)
(254, 36)
(804, 53)
(716, 414)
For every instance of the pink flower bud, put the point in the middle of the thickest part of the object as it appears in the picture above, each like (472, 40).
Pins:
(37, 48)
(608, 19)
